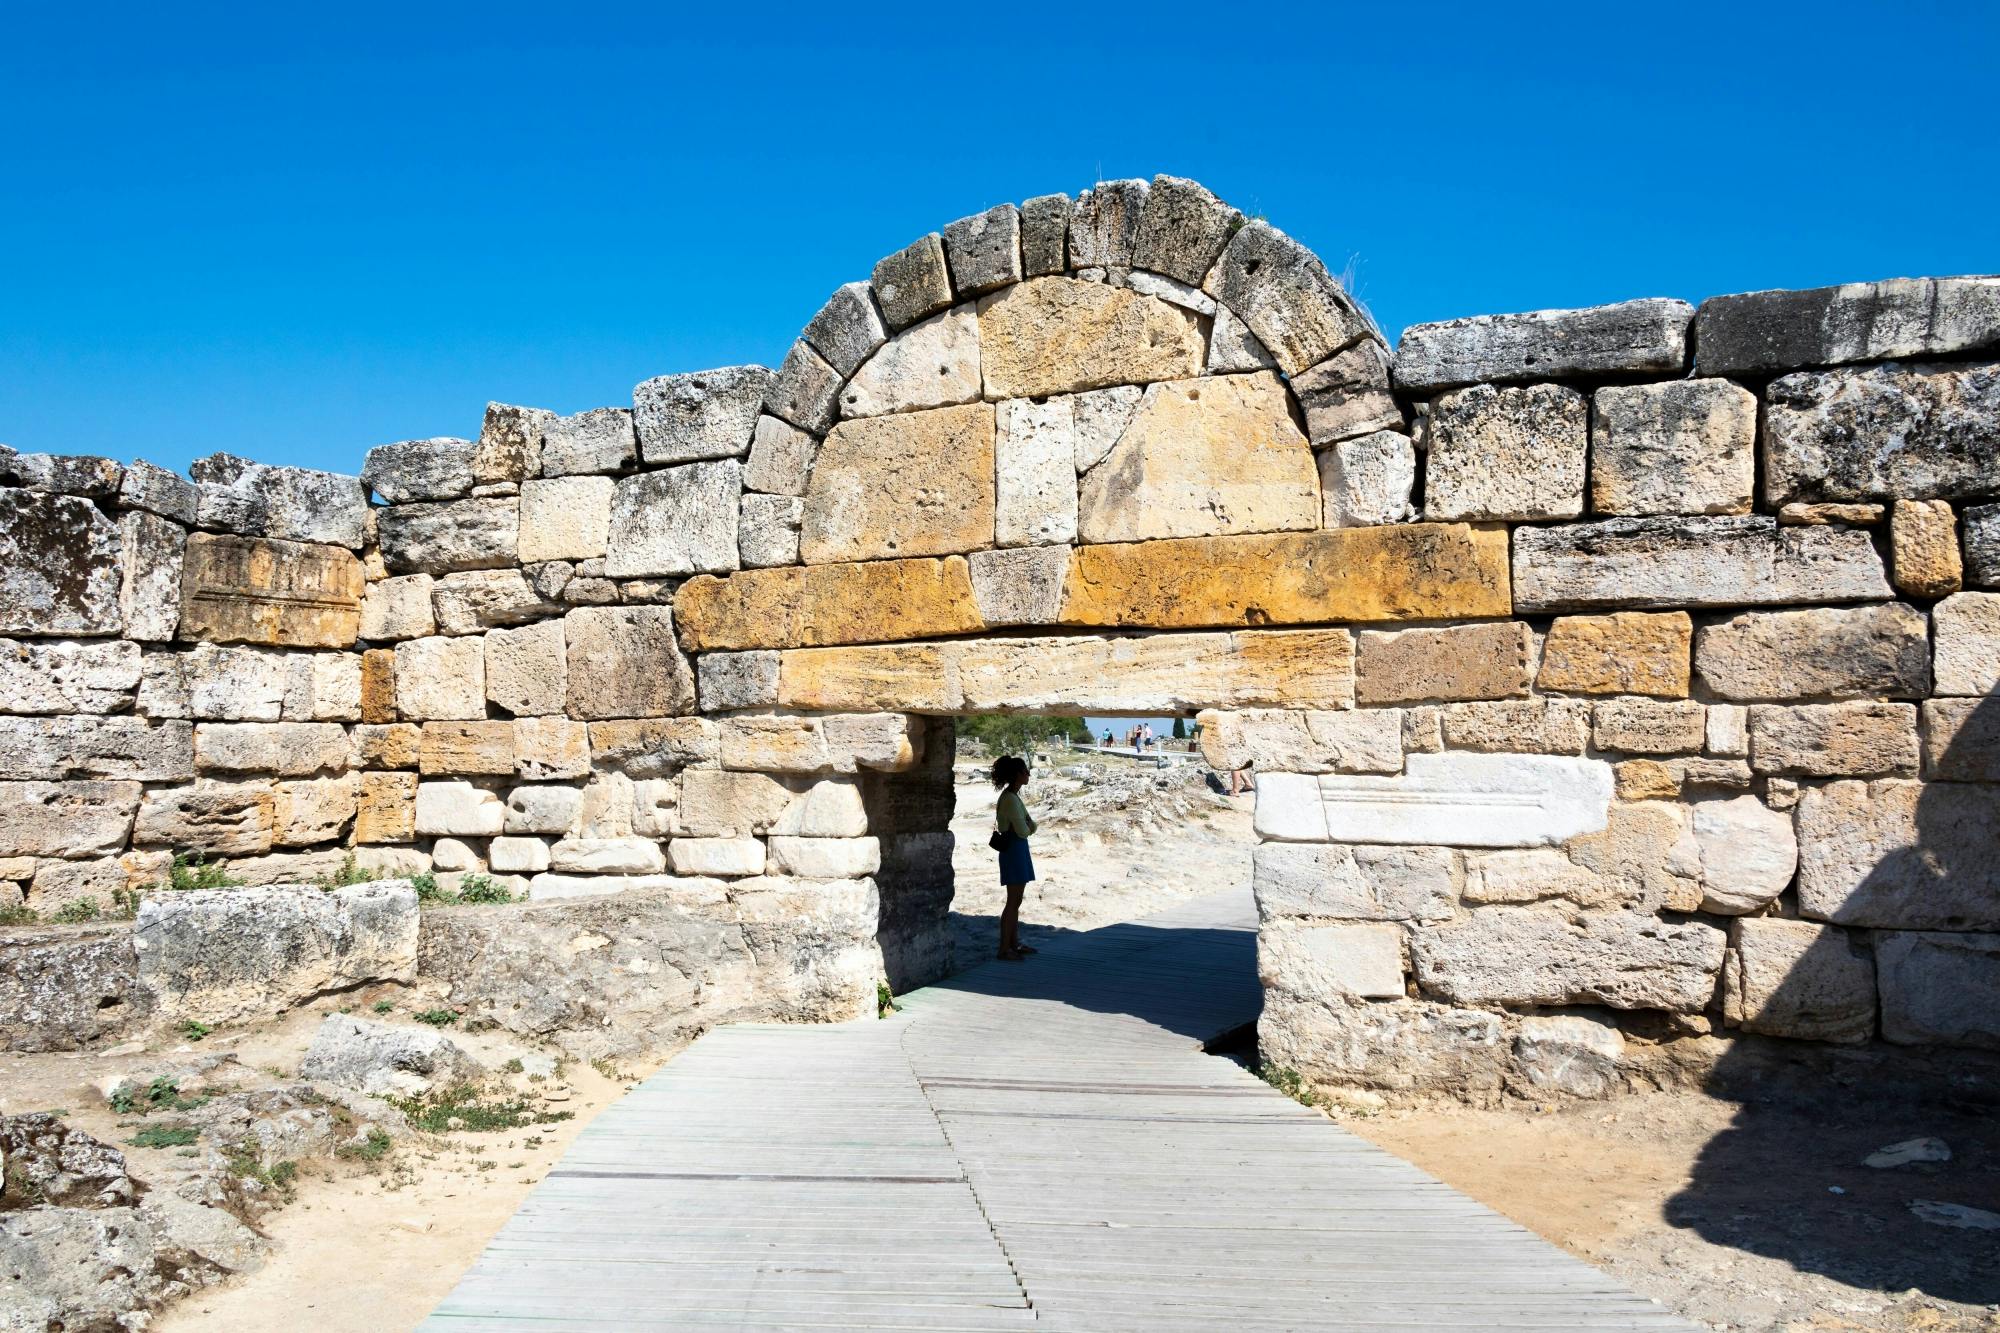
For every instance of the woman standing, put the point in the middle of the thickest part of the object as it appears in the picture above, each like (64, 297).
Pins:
(1012, 828)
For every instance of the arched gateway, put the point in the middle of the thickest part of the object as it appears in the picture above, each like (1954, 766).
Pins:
(1568, 723)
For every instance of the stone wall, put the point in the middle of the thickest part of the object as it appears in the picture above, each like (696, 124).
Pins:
(1615, 671)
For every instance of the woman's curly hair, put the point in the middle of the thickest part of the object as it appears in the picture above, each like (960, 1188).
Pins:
(1007, 768)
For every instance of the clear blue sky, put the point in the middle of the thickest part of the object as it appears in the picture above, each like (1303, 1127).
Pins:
(295, 232)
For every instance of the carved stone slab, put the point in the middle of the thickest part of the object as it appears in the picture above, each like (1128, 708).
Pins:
(261, 590)
(1470, 800)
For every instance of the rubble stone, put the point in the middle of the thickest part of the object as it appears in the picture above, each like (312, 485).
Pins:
(1487, 661)
(624, 662)
(1923, 548)
(679, 520)
(1820, 652)
(1506, 453)
(383, 1060)
(1367, 480)
(1683, 447)
(1569, 1054)
(1900, 855)
(1748, 854)
(1628, 652)
(1917, 432)
(1855, 740)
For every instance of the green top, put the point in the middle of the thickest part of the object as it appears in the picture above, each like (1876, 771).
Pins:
(1010, 814)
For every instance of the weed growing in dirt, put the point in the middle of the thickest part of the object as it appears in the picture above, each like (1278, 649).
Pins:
(1290, 1082)
(428, 889)
(885, 1000)
(18, 916)
(374, 1149)
(194, 1031)
(77, 911)
(384, 1007)
(164, 1136)
(512, 1067)
(464, 1106)
(192, 870)
(280, 1176)
(162, 1094)
(348, 873)
(483, 889)
(437, 1018)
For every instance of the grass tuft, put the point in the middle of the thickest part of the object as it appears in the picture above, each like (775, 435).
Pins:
(465, 1107)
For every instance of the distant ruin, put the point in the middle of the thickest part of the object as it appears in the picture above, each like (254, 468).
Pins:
(1613, 674)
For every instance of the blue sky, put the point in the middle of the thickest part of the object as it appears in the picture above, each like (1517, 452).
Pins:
(297, 233)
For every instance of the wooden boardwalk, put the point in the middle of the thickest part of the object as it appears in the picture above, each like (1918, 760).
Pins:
(1041, 1144)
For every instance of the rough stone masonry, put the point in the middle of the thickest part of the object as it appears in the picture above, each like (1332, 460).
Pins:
(1617, 675)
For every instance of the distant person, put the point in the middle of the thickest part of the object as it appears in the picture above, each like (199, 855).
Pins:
(1012, 828)
(1242, 779)
(1107, 738)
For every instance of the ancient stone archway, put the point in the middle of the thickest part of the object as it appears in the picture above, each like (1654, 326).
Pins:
(1563, 718)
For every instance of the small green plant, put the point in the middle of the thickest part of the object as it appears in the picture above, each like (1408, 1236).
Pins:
(162, 1094)
(195, 1031)
(77, 911)
(428, 889)
(348, 873)
(18, 916)
(279, 1175)
(1290, 1082)
(602, 1064)
(463, 1106)
(512, 1067)
(195, 871)
(165, 1136)
(374, 1149)
(437, 1018)
(885, 1000)
(483, 889)
(383, 1007)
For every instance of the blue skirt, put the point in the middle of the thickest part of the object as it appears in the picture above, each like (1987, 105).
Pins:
(1016, 866)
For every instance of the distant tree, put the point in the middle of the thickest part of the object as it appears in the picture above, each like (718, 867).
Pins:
(1180, 730)
(1014, 734)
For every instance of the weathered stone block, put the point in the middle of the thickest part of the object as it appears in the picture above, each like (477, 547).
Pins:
(1758, 333)
(912, 283)
(1962, 740)
(441, 679)
(1347, 394)
(1653, 779)
(1355, 883)
(1980, 536)
(1021, 586)
(66, 818)
(1294, 741)
(217, 818)
(1518, 726)
(679, 520)
(1162, 673)
(477, 599)
(1367, 480)
(1966, 656)
(1881, 432)
(913, 484)
(323, 687)
(1363, 961)
(1684, 447)
(624, 662)
(1035, 501)
(1512, 453)
(1923, 548)
(454, 534)
(1284, 294)
(1629, 338)
(457, 809)
(149, 595)
(1672, 563)
(730, 858)
(1798, 979)
(510, 444)
(607, 856)
(1181, 229)
(984, 251)
(385, 807)
(1104, 224)
(847, 329)
(285, 503)
(768, 530)
(436, 469)
(697, 416)
(1045, 235)
(600, 440)
(253, 590)
(158, 491)
(226, 955)
(542, 810)
(1458, 799)
(828, 808)
(1100, 419)
(313, 810)
(1853, 740)
(1457, 662)
(828, 604)
(86, 746)
(1626, 960)
(1830, 652)
(565, 518)
(781, 457)
(1570, 1054)
(1728, 730)
(288, 749)
(550, 747)
(378, 685)
(825, 858)
(1748, 854)
(398, 608)
(653, 747)
(1406, 572)
(1629, 652)
(737, 680)
(467, 748)
(1940, 989)
(1232, 347)
(806, 391)
(1058, 335)
(527, 670)
(1649, 726)
(1203, 457)
(391, 746)
(1795, 513)
(1402, 1047)
(1900, 855)
(932, 364)
(717, 803)
(67, 677)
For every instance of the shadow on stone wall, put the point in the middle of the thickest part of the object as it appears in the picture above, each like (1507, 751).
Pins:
(1786, 1179)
